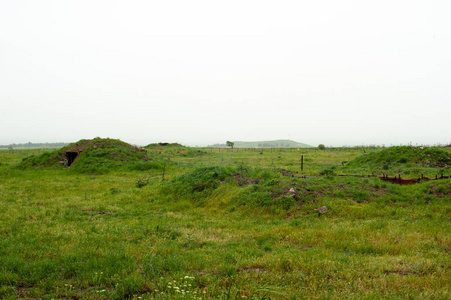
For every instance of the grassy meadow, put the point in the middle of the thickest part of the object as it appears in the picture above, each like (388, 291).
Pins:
(225, 224)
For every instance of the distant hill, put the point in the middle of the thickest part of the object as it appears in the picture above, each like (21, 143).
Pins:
(265, 144)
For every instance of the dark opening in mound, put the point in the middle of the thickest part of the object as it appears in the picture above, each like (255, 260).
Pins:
(71, 156)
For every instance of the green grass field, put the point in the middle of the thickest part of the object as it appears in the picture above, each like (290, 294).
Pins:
(225, 224)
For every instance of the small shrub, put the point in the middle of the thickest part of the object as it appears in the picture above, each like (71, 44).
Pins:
(328, 172)
(141, 182)
(403, 159)
(114, 191)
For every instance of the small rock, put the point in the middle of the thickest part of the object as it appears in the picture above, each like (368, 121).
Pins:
(292, 191)
(322, 209)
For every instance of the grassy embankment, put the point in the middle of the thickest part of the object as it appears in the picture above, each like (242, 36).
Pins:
(223, 224)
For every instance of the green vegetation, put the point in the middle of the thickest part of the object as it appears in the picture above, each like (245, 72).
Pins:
(230, 144)
(97, 156)
(409, 160)
(223, 224)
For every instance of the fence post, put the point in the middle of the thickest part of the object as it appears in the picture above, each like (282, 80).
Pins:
(302, 162)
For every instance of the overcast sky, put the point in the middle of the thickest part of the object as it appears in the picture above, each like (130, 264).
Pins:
(203, 72)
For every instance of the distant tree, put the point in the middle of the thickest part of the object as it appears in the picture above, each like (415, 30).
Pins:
(321, 147)
(230, 144)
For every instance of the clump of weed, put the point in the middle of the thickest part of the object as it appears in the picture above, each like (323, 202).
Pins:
(142, 182)
(114, 191)
(328, 171)
(144, 166)
(403, 159)
(256, 195)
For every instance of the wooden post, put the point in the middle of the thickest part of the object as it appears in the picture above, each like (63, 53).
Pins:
(302, 162)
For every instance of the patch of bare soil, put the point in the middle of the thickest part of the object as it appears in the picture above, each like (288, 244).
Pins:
(289, 191)
(401, 272)
(288, 173)
(252, 269)
(243, 181)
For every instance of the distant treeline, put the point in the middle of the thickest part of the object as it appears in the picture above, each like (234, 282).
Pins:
(34, 145)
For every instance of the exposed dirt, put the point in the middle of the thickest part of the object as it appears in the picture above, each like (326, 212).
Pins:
(289, 191)
(401, 272)
(252, 269)
(243, 181)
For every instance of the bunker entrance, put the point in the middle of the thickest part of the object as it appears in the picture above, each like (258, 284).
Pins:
(71, 156)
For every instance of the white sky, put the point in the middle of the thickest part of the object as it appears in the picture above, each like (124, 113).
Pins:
(203, 72)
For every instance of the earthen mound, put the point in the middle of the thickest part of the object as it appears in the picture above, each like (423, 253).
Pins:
(88, 155)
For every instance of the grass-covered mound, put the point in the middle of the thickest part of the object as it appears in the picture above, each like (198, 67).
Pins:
(198, 184)
(403, 159)
(167, 145)
(173, 149)
(93, 156)
(227, 225)
(251, 187)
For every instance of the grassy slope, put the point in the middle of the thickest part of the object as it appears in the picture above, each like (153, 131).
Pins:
(404, 160)
(97, 156)
(73, 235)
